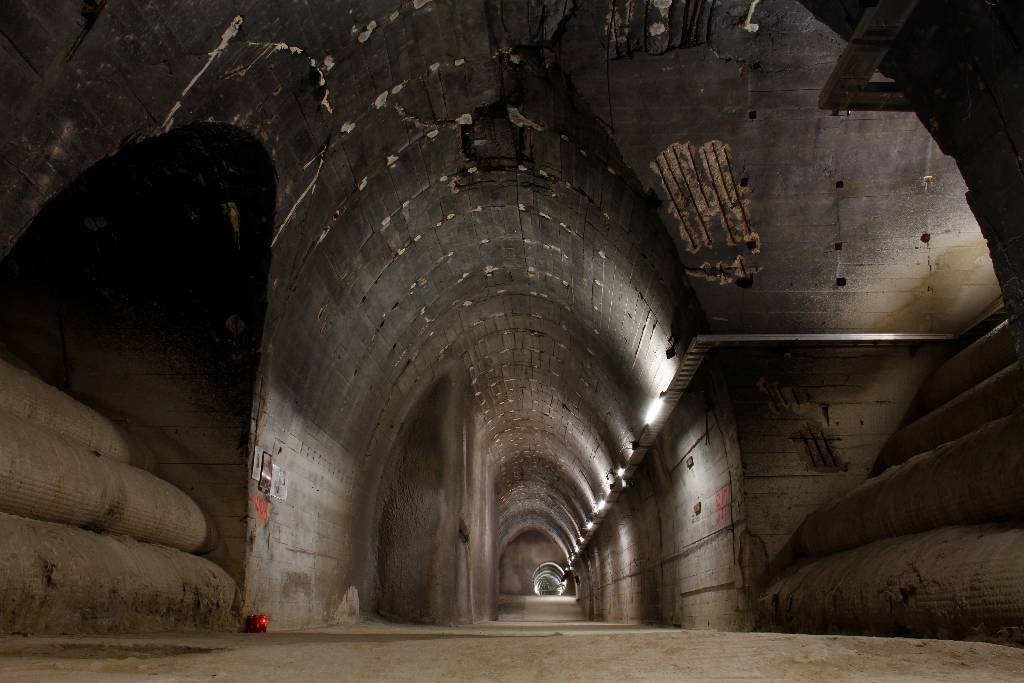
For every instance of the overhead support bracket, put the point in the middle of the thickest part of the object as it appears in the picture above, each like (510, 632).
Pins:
(691, 361)
(703, 343)
(850, 87)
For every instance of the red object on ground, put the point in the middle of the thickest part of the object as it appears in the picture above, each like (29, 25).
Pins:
(256, 623)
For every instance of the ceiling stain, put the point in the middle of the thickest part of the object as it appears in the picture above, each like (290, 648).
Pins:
(706, 197)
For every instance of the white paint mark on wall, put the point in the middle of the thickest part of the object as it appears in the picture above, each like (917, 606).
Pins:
(322, 82)
(229, 33)
(310, 189)
(267, 49)
(365, 34)
(517, 118)
(748, 25)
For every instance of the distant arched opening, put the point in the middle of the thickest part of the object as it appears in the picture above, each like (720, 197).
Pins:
(549, 579)
(526, 554)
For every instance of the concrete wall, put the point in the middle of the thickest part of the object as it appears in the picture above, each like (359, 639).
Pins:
(811, 423)
(424, 550)
(520, 559)
(656, 558)
(773, 434)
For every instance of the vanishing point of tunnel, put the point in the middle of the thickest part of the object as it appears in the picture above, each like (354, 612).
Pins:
(511, 339)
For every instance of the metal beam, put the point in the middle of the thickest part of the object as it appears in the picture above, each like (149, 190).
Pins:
(850, 86)
(702, 344)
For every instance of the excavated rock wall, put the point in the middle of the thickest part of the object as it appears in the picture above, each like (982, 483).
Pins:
(950, 582)
(59, 579)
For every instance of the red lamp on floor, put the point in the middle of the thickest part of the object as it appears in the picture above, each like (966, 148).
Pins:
(256, 623)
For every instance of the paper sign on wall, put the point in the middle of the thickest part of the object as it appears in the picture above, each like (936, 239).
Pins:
(278, 483)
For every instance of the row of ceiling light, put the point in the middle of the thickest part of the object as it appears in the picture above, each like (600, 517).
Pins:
(590, 525)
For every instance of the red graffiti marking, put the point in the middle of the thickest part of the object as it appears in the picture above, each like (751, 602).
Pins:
(722, 505)
(262, 509)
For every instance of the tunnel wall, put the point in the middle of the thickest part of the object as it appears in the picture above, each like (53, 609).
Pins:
(655, 558)
(913, 550)
(811, 423)
(250, 65)
(521, 557)
(808, 425)
(424, 549)
(375, 147)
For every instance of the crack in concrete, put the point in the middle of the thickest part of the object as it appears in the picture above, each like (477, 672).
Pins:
(229, 33)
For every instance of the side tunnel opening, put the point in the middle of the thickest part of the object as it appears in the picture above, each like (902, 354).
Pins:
(130, 324)
(433, 562)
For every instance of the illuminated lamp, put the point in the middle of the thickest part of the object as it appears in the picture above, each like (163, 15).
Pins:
(256, 623)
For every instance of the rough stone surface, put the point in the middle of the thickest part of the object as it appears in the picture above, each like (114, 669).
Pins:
(991, 399)
(952, 582)
(508, 652)
(975, 479)
(58, 579)
(811, 423)
(45, 477)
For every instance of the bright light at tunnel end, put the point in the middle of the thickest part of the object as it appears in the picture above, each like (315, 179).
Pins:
(654, 410)
(590, 525)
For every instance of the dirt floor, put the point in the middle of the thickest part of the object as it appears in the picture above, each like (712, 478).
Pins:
(501, 651)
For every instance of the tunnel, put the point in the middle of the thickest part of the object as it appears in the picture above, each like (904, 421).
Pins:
(387, 339)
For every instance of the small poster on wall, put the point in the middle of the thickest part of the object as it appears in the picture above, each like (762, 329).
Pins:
(266, 473)
(278, 483)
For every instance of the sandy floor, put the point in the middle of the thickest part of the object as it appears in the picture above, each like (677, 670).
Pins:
(504, 650)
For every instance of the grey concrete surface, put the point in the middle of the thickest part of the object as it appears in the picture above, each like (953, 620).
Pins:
(436, 258)
(540, 609)
(507, 652)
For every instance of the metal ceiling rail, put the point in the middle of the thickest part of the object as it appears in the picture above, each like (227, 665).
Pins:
(850, 86)
(700, 346)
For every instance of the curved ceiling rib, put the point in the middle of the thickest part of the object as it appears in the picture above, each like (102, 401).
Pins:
(527, 253)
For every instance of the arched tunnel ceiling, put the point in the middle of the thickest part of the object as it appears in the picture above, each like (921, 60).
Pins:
(519, 244)
(445, 196)
(858, 220)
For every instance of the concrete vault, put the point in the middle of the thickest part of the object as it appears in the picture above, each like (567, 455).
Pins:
(414, 309)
